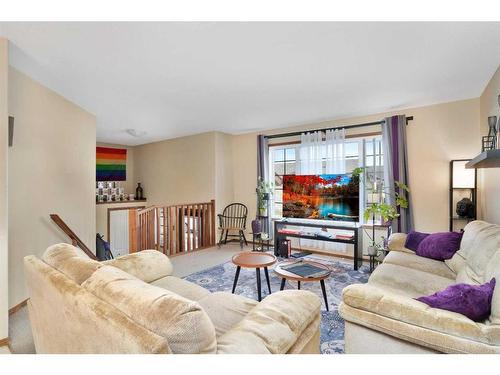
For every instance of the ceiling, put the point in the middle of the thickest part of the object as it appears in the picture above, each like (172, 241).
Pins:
(174, 79)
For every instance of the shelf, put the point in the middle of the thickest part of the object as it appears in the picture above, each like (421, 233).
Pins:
(486, 159)
(463, 218)
(305, 236)
(123, 202)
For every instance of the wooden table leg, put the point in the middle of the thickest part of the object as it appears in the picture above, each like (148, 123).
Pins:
(323, 289)
(267, 279)
(298, 285)
(238, 268)
(257, 271)
(283, 280)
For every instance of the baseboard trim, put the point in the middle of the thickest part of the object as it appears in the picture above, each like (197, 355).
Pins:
(18, 307)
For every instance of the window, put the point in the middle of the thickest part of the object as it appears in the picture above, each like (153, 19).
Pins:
(282, 162)
(374, 171)
(365, 152)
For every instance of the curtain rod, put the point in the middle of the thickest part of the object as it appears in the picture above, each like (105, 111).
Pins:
(283, 135)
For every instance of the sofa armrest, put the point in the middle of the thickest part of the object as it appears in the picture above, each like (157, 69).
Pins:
(273, 326)
(397, 243)
(146, 265)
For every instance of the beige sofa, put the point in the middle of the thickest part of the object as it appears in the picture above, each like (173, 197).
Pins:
(133, 304)
(382, 316)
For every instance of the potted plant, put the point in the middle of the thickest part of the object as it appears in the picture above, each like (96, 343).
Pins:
(264, 191)
(387, 212)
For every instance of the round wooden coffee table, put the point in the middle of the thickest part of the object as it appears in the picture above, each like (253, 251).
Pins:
(286, 275)
(257, 260)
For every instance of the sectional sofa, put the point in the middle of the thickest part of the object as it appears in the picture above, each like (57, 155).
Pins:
(382, 316)
(133, 304)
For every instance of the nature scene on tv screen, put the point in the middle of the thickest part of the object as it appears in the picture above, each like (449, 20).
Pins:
(325, 196)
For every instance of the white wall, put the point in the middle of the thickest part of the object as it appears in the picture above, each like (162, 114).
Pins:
(51, 170)
(4, 290)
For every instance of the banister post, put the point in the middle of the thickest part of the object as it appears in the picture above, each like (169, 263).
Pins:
(212, 202)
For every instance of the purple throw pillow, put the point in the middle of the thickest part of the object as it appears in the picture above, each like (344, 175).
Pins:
(413, 239)
(440, 246)
(473, 301)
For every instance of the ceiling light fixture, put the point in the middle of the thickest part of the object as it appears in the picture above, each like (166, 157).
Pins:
(136, 133)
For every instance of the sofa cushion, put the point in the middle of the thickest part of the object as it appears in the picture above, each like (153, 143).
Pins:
(456, 263)
(147, 265)
(484, 247)
(416, 262)
(182, 287)
(471, 230)
(272, 326)
(182, 322)
(412, 282)
(397, 241)
(493, 271)
(70, 261)
(440, 246)
(400, 330)
(414, 238)
(225, 310)
(400, 306)
(473, 301)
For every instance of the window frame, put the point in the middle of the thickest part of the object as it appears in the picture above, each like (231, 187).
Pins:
(362, 157)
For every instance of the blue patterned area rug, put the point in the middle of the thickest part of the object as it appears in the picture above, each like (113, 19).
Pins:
(221, 277)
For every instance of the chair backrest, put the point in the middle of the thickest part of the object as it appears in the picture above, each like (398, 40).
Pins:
(234, 216)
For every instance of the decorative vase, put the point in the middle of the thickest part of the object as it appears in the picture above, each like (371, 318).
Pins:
(492, 123)
(256, 226)
(139, 192)
(492, 133)
(372, 250)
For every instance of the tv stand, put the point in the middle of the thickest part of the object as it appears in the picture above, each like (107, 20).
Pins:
(355, 228)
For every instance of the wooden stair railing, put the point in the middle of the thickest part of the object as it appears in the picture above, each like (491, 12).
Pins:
(176, 229)
(75, 240)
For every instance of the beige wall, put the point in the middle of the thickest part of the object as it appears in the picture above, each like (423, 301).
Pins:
(224, 169)
(180, 170)
(131, 183)
(51, 170)
(437, 134)
(490, 177)
(189, 169)
(209, 165)
(4, 290)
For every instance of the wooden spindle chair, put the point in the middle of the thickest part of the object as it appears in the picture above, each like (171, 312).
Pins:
(233, 218)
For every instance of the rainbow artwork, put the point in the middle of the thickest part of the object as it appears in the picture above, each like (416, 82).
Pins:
(111, 164)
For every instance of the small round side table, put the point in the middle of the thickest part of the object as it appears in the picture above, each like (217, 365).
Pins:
(257, 260)
(287, 275)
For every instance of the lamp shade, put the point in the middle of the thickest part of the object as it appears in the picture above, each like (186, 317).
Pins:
(463, 178)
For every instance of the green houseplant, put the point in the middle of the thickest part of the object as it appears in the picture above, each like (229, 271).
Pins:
(264, 190)
(387, 212)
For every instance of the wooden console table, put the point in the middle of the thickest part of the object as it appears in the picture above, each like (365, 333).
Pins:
(355, 228)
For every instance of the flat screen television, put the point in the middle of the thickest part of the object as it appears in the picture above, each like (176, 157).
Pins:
(324, 196)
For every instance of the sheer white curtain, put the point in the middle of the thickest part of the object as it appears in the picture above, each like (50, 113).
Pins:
(335, 151)
(312, 150)
(310, 158)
